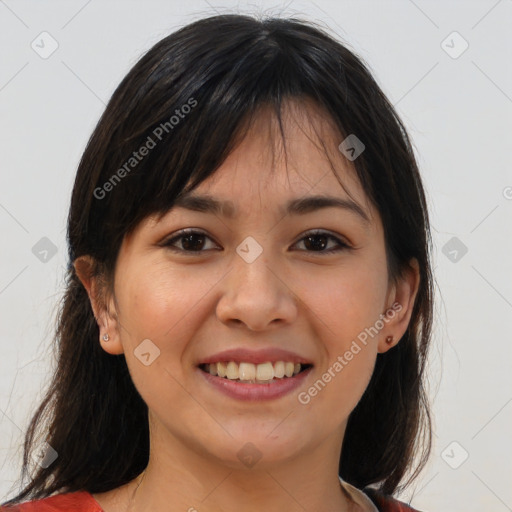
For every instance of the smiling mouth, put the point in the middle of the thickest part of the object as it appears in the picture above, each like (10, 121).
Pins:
(250, 373)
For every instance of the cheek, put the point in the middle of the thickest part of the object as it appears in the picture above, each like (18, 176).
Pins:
(347, 300)
(345, 307)
(166, 305)
(160, 303)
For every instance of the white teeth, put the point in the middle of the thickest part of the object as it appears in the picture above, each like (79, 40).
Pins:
(249, 372)
(231, 371)
(279, 369)
(264, 371)
(246, 371)
(221, 368)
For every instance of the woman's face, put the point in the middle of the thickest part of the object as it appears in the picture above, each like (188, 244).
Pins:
(253, 280)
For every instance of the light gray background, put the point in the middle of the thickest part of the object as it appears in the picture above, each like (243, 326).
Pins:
(458, 112)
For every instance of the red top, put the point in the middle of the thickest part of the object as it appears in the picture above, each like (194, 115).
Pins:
(80, 501)
(83, 501)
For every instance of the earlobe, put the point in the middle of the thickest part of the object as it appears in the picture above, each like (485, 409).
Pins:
(401, 306)
(107, 322)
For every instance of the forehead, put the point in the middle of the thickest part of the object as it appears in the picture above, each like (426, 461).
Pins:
(277, 166)
(272, 174)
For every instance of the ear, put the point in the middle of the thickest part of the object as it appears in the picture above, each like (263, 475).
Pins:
(102, 305)
(401, 299)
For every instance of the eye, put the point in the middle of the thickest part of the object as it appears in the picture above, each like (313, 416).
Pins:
(192, 241)
(317, 241)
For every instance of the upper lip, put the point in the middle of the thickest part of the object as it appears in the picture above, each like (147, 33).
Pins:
(255, 356)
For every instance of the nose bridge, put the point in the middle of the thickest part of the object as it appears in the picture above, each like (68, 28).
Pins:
(252, 264)
(254, 293)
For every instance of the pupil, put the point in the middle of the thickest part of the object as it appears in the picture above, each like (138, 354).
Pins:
(317, 245)
(188, 245)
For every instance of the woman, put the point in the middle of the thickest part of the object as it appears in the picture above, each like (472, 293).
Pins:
(249, 297)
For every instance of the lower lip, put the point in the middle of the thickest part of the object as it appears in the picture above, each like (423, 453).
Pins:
(244, 391)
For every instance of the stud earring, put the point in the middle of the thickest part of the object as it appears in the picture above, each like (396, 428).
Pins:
(389, 340)
(106, 337)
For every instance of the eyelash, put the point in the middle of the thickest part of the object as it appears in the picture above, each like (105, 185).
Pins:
(315, 232)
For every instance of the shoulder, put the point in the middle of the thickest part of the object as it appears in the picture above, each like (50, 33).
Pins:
(386, 503)
(79, 501)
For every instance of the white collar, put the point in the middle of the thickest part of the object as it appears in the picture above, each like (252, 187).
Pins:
(359, 497)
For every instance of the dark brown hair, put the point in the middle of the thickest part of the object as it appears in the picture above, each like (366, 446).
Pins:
(224, 68)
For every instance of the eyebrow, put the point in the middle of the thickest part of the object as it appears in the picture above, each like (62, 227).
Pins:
(299, 206)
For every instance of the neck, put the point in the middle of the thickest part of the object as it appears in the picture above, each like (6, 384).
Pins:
(231, 492)
(179, 478)
(181, 475)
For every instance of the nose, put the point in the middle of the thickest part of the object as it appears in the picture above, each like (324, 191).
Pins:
(257, 294)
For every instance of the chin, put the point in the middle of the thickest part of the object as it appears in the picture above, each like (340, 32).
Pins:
(262, 448)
